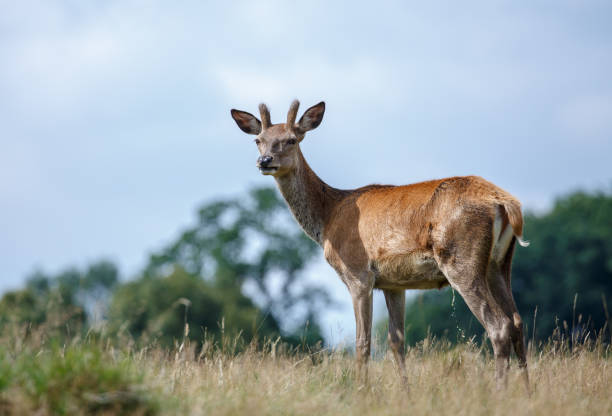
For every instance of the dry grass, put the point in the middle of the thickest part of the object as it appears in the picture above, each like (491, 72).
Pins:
(271, 380)
(444, 380)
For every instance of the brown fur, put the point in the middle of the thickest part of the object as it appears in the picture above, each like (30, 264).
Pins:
(419, 236)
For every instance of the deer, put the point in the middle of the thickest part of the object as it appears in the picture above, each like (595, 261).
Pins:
(459, 231)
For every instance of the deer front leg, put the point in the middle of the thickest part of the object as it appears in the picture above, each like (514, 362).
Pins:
(362, 305)
(396, 304)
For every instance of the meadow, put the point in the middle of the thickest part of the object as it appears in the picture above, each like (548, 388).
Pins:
(92, 375)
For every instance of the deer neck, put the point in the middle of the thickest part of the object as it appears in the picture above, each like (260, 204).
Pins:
(309, 198)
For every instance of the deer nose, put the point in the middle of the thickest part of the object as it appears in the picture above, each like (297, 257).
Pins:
(264, 161)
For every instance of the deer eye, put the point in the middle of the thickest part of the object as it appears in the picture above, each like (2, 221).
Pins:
(257, 141)
(291, 141)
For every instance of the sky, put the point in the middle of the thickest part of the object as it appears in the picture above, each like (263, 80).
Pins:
(115, 125)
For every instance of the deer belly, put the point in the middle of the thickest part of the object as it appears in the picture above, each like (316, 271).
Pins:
(407, 271)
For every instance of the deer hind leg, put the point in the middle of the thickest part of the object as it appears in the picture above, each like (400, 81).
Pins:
(466, 268)
(396, 304)
(498, 326)
(499, 284)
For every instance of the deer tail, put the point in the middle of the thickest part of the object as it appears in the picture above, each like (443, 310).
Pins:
(515, 217)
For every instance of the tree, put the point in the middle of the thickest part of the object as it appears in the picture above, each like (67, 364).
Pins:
(161, 307)
(60, 301)
(570, 258)
(240, 265)
(254, 245)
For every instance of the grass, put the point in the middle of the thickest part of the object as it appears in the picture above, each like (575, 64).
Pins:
(90, 376)
(68, 380)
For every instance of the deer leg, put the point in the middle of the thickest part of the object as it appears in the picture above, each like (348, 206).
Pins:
(499, 284)
(467, 265)
(362, 305)
(497, 324)
(500, 334)
(469, 278)
(396, 304)
(518, 340)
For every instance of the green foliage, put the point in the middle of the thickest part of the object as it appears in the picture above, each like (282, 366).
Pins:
(79, 379)
(249, 243)
(570, 258)
(58, 301)
(442, 314)
(160, 307)
(570, 255)
(308, 336)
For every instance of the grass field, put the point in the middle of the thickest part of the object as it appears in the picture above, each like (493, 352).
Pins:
(90, 376)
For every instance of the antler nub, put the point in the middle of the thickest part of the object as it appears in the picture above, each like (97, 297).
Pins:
(265, 116)
(292, 114)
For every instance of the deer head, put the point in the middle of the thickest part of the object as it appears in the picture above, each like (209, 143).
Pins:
(278, 144)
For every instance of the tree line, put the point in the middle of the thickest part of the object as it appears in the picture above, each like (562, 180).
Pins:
(235, 271)
(238, 270)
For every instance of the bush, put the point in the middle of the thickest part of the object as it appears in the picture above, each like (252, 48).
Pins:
(79, 379)
(160, 308)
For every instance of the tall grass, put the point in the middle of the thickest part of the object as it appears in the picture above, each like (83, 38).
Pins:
(94, 375)
(81, 377)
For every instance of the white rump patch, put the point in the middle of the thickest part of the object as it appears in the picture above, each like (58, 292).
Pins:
(497, 224)
(503, 238)
(500, 247)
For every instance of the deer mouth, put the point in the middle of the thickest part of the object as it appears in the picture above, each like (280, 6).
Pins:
(268, 170)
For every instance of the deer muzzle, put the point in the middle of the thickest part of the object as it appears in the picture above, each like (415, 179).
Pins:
(263, 163)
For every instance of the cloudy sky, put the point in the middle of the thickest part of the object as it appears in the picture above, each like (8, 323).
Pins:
(114, 115)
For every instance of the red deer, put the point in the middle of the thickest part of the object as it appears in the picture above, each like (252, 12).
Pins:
(458, 231)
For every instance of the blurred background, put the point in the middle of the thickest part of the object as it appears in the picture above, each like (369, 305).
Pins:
(129, 198)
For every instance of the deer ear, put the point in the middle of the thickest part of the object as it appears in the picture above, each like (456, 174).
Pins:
(311, 118)
(247, 122)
